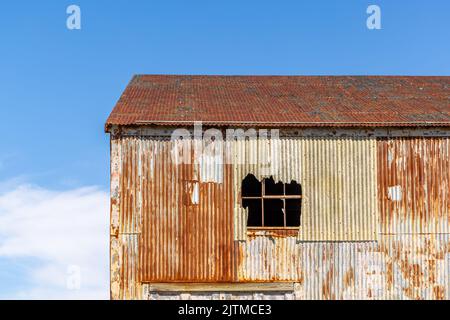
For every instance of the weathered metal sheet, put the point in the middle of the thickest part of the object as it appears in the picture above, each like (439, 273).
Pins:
(115, 262)
(270, 256)
(174, 223)
(414, 185)
(130, 213)
(115, 268)
(125, 277)
(338, 176)
(220, 296)
(116, 171)
(417, 266)
(339, 179)
(395, 267)
(186, 231)
(338, 270)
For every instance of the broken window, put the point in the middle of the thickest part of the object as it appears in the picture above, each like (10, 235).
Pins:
(191, 193)
(270, 203)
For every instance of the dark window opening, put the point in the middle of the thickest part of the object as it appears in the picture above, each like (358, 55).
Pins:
(273, 213)
(252, 186)
(254, 220)
(273, 188)
(270, 203)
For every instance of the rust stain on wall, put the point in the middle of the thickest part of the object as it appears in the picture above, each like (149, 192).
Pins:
(414, 185)
(349, 278)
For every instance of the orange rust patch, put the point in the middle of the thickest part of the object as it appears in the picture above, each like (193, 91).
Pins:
(349, 278)
(438, 293)
(419, 166)
(326, 287)
(416, 275)
(390, 274)
(439, 255)
(409, 292)
(431, 271)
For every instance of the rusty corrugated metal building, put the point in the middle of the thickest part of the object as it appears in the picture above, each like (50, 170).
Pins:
(371, 155)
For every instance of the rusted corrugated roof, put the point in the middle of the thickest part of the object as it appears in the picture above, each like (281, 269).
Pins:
(377, 101)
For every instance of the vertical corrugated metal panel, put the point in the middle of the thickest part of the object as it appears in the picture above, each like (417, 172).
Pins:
(322, 270)
(181, 241)
(395, 267)
(269, 256)
(417, 266)
(130, 186)
(116, 171)
(338, 178)
(115, 263)
(414, 185)
(339, 186)
(125, 280)
(130, 286)
(115, 268)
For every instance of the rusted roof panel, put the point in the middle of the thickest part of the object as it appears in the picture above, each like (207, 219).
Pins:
(376, 101)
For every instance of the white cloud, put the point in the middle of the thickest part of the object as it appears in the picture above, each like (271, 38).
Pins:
(65, 231)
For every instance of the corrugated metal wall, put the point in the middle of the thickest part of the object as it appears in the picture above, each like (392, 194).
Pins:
(269, 256)
(338, 176)
(174, 222)
(395, 267)
(414, 185)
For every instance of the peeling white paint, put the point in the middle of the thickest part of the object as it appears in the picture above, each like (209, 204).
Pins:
(390, 157)
(395, 193)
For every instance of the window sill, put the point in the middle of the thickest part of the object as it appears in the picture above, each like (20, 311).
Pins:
(273, 231)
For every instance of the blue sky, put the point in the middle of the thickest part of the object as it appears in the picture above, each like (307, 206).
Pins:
(57, 86)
